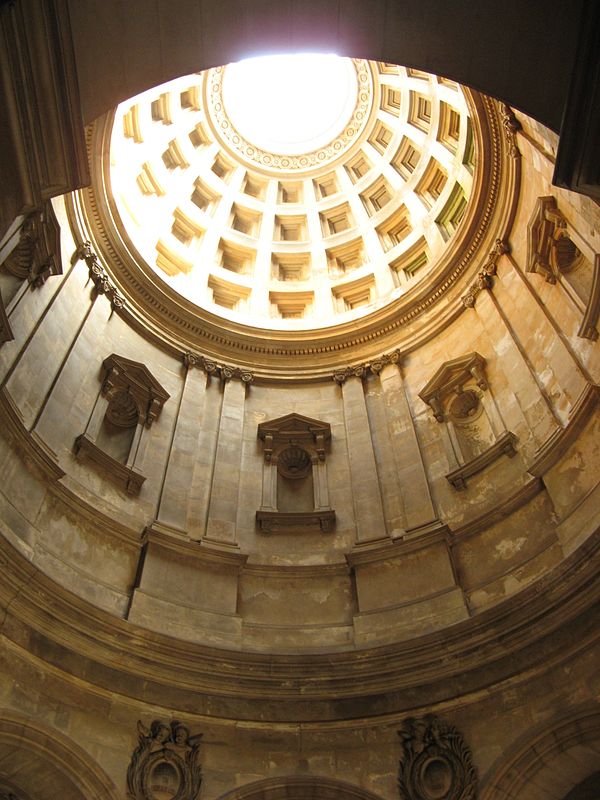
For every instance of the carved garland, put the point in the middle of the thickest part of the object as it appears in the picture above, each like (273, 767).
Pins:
(436, 763)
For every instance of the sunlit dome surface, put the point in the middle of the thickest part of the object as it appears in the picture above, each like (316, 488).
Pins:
(297, 104)
(293, 192)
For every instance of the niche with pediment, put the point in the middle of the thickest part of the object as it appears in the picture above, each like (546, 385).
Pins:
(129, 401)
(295, 493)
(553, 253)
(473, 431)
(33, 256)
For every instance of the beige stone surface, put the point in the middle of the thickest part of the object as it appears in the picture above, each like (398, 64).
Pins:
(299, 653)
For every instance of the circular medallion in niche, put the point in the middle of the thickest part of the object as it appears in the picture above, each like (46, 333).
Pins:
(465, 405)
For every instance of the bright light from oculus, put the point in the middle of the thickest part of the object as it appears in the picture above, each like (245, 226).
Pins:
(290, 104)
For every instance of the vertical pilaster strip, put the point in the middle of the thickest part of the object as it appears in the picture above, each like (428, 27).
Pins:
(223, 508)
(418, 504)
(540, 415)
(175, 496)
(201, 477)
(368, 507)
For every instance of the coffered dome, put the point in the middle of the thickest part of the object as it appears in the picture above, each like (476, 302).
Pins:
(258, 218)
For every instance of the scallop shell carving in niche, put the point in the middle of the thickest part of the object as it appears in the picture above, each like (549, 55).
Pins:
(294, 462)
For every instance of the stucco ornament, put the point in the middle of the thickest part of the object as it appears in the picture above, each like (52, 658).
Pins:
(165, 765)
(436, 762)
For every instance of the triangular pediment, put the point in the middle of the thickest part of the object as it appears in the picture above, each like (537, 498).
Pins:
(137, 374)
(452, 373)
(294, 426)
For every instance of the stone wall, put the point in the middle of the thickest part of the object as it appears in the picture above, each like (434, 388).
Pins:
(416, 567)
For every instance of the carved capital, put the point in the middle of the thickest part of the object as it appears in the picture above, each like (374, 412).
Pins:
(225, 372)
(361, 370)
(484, 279)
(436, 762)
(511, 125)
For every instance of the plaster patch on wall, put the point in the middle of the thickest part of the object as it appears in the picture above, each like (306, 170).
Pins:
(508, 547)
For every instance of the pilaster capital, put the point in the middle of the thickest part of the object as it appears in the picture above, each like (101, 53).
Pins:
(225, 372)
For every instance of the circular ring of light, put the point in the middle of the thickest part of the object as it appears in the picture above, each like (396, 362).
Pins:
(292, 104)
(271, 160)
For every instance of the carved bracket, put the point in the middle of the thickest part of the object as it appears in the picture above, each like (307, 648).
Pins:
(223, 371)
(436, 762)
(165, 763)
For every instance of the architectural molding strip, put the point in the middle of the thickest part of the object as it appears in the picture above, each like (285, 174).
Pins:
(30, 444)
(561, 439)
(209, 679)
(131, 480)
(521, 498)
(201, 552)
(290, 521)
(589, 324)
(505, 445)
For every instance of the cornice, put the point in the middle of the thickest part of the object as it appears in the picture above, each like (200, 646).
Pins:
(177, 325)
(526, 631)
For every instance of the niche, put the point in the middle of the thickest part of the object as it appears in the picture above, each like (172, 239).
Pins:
(473, 432)
(129, 401)
(552, 253)
(33, 256)
(295, 495)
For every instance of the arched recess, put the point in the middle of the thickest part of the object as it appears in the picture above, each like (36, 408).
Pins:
(40, 763)
(294, 787)
(548, 763)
